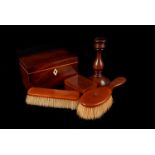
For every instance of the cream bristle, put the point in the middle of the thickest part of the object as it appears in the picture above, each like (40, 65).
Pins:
(51, 102)
(94, 112)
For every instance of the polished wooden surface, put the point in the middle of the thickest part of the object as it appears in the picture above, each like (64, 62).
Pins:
(95, 97)
(47, 59)
(47, 68)
(117, 82)
(79, 83)
(100, 81)
(98, 65)
(100, 95)
(53, 93)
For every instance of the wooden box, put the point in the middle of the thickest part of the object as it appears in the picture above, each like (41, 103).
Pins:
(47, 68)
(79, 83)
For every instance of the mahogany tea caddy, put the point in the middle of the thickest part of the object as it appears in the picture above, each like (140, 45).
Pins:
(47, 69)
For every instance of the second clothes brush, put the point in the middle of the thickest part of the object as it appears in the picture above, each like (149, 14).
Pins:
(94, 103)
(45, 97)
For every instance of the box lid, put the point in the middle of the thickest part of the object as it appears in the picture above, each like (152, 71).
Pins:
(47, 59)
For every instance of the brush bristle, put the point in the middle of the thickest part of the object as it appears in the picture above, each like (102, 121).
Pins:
(94, 112)
(51, 102)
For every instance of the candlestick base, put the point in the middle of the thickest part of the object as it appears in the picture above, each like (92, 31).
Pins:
(101, 81)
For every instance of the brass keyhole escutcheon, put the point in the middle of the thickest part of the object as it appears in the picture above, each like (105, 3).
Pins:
(55, 72)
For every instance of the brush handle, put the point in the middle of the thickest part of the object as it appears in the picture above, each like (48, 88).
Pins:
(117, 82)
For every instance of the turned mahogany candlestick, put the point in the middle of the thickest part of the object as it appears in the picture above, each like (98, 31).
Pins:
(98, 63)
